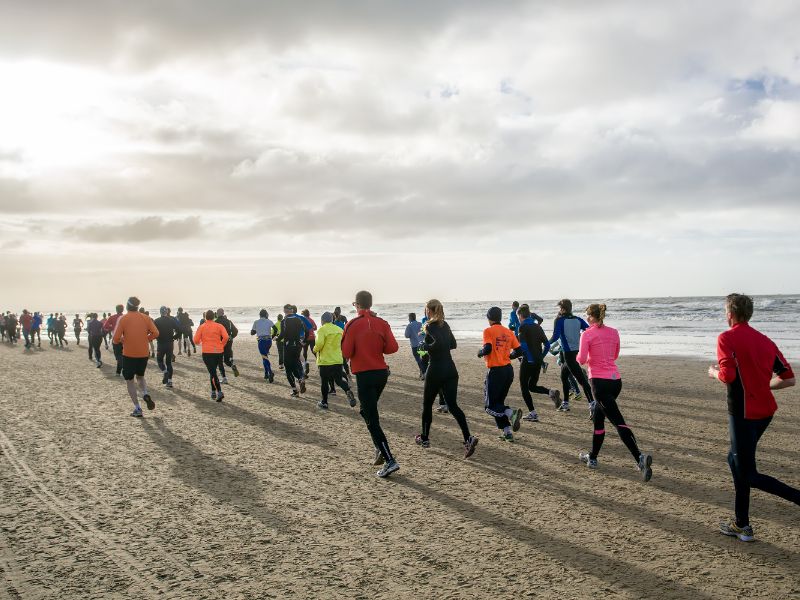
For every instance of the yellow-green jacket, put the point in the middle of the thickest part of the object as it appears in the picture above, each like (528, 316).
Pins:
(328, 347)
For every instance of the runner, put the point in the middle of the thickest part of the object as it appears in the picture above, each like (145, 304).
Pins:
(567, 330)
(338, 318)
(36, 328)
(94, 329)
(168, 331)
(77, 326)
(51, 329)
(227, 354)
(366, 339)
(747, 361)
(412, 334)
(426, 361)
(498, 342)
(61, 331)
(513, 318)
(291, 337)
(441, 377)
(25, 324)
(187, 337)
(599, 349)
(262, 329)
(533, 345)
(212, 338)
(111, 324)
(328, 349)
(135, 330)
(276, 331)
(311, 327)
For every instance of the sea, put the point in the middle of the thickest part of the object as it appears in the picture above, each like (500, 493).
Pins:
(648, 326)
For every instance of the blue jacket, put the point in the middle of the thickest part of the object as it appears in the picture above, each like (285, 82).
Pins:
(567, 330)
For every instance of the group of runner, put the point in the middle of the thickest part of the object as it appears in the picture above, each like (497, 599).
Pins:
(359, 347)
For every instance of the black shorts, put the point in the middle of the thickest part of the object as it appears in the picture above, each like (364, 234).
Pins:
(133, 366)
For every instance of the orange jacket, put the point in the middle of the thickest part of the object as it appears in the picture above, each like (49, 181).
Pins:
(212, 337)
(135, 330)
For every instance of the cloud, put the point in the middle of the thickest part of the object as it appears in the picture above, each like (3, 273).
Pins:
(146, 229)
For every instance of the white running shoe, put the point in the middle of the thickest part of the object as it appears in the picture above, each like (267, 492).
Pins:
(588, 460)
(531, 416)
(224, 380)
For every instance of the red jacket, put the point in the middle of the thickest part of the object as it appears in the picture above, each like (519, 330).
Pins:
(111, 322)
(366, 339)
(747, 359)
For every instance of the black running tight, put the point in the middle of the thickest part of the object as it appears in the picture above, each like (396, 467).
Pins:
(441, 381)
(213, 362)
(606, 392)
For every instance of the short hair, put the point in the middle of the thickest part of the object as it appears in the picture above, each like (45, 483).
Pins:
(412, 316)
(565, 305)
(209, 315)
(364, 299)
(523, 311)
(740, 306)
(515, 304)
(263, 313)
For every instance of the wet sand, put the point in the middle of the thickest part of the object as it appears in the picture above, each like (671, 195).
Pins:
(263, 496)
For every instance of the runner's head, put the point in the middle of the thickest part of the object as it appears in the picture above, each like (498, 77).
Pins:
(363, 300)
(337, 311)
(412, 317)
(306, 313)
(326, 317)
(288, 309)
(523, 312)
(209, 315)
(564, 307)
(263, 314)
(220, 312)
(434, 311)
(494, 314)
(739, 308)
(515, 305)
(280, 317)
(132, 305)
(119, 309)
(164, 311)
(596, 313)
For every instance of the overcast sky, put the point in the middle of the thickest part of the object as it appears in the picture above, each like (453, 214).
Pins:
(246, 152)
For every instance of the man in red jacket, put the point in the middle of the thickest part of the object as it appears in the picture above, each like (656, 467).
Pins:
(747, 361)
(366, 339)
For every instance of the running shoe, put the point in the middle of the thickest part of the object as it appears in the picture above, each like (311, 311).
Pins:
(169, 384)
(507, 437)
(388, 468)
(588, 460)
(137, 412)
(379, 460)
(544, 367)
(302, 386)
(564, 406)
(592, 408)
(235, 370)
(420, 442)
(220, 396)
(351, 398)
(516, 417)
(332, 393)
(442, 408)
(149, 402)
(323, 405)
(422, 376)
(555, 396)
(645, 460)
(745, 534)
(224, 380)
(295, 394)
(213, 394)
(577, 396)
(99, 364)
(266, 375)
(470, 445)
(280, 367)
(271, 376)
(531, 416)
(307, 368)
(164, 378)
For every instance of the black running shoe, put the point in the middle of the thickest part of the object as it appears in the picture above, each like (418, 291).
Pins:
(149, 402)
(271, 377)
(302, 386)
(235, 370)
(220, 396)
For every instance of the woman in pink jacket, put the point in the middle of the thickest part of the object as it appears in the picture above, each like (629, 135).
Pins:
(212, 337)
(599, 349)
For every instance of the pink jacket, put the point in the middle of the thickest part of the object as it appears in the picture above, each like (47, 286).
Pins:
(600, 348)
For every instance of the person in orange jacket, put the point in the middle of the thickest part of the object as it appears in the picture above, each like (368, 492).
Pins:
(212, 336)
(135, 330)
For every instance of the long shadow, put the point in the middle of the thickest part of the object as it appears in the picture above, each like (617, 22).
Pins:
(624, 510)
(231, 485)
(274, 427)
(614, 572)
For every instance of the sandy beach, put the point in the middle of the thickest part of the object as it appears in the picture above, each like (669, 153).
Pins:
(263, 496)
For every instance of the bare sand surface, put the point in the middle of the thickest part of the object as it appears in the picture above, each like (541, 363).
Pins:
(263, 496)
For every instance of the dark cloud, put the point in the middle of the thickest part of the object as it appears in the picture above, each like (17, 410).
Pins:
(141, 230)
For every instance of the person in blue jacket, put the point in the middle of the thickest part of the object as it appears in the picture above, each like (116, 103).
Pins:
(567, 331)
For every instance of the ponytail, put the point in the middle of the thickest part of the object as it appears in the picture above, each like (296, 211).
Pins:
(597, 312)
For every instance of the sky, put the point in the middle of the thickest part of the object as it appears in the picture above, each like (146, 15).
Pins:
(253, 152)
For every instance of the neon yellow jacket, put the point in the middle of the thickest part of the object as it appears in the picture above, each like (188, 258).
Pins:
(328, 347)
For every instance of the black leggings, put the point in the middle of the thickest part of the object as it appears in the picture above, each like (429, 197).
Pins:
(291, 360)
(330, 375)
(306, 346)
(370, 385)
(606, 392)
(495, 390)
(212, 362)
(94, 346)
(745, 434)
(118, 356)
(529, 381)
(442, 379)
(227, 355)
(571, 366)
(165, 351)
